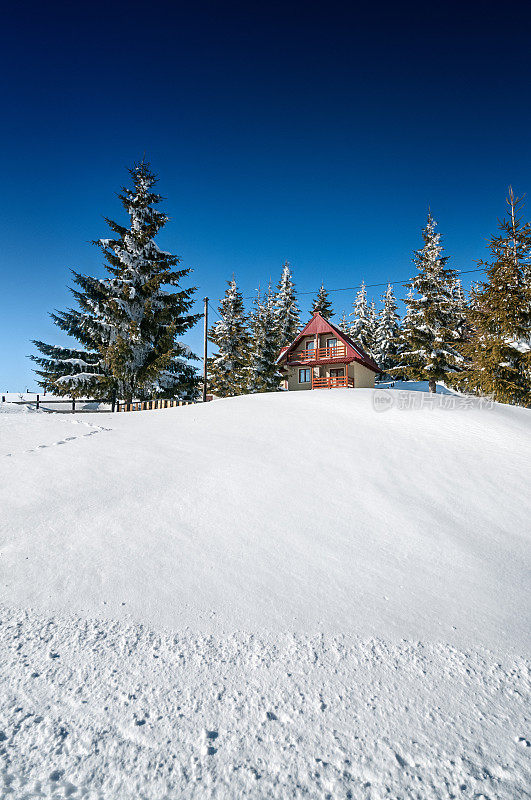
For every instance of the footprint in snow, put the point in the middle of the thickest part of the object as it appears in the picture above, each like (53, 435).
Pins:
(207, 746)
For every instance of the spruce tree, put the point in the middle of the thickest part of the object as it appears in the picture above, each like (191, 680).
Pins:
(288, 312)
(459, 311)
(373, 324)
(429, 340)
(344, 326)
(322, 304)
(387, 332)
(229, 366)
(361, 329)
(499, 349)
(264, 373)
(404, 334)
(127, 323)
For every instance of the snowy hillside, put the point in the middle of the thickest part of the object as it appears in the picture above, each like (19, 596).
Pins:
(300, 594)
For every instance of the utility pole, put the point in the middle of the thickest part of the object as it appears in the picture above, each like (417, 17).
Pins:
(205, 348)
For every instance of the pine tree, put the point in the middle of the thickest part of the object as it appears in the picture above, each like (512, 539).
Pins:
(127, 322)
(499, 350)
(429, 351)
(361, 329)
(264, 373)
(387, 332)
(229, 367)
(288, 313)
(322, 304)
(344, 326)
(404, 334)
(373, 324)
(459, 311)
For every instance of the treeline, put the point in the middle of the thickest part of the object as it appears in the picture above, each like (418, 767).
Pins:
(479, 344)
(129, 324)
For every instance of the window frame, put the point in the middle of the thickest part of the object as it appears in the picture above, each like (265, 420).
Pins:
(305, 370)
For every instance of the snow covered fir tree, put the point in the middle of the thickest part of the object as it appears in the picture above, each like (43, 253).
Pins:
(288, 312)
(322, 304)
(499, 346)
(362, 328)
(428, 350)
(265, 327)
(228, 368)
(127, 323)
(385, 342)
(344, 325)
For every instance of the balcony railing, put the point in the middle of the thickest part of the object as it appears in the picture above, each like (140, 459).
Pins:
(332, 382)
(319, 354)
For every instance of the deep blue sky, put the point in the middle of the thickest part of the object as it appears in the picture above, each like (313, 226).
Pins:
(281, 131)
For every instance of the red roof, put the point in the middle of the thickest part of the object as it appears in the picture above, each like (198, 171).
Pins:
(318, 324)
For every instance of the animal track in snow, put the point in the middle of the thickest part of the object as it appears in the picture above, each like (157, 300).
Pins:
(207, 747)
(65, 439)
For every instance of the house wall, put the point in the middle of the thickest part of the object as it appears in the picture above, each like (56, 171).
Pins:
(302, 343)
(293, 384)
(323, 338)
(363, 377)
(325, 369)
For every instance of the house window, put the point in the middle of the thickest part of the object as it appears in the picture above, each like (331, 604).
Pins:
(330, 343)
(310, 345)
(305, 376)
(337, 373)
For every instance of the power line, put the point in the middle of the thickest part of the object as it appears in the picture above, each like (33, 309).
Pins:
(367, 285)
(385, 283)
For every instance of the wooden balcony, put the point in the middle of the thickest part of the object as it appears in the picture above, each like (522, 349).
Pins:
(332, 383)
(319, 354)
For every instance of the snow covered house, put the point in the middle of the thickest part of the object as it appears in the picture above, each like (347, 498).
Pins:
(322, 357)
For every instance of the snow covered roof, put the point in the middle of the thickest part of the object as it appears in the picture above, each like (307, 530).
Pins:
(318, 324)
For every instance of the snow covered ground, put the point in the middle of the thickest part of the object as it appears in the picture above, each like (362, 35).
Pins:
(296, 595)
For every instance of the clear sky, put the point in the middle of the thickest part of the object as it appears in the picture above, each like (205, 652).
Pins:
(312, 133)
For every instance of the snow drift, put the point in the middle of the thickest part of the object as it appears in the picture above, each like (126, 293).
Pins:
(331, 549)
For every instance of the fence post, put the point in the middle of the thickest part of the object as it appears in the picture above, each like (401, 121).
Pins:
(73, 406)
(37, 402)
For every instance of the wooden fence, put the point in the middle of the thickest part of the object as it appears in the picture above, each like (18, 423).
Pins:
(151, 405)
(120, 405)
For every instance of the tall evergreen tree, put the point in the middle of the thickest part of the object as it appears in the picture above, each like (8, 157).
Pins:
(264, 373)
(361, 329)
(499, 350)
(429, 351)
(127, 323)
(459, 311)
(322, 304)
(387, 332)
(229, 367)
(344, 325)
(288, 312)
(373, 324)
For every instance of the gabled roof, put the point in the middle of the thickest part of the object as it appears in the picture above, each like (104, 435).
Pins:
(318, 324)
